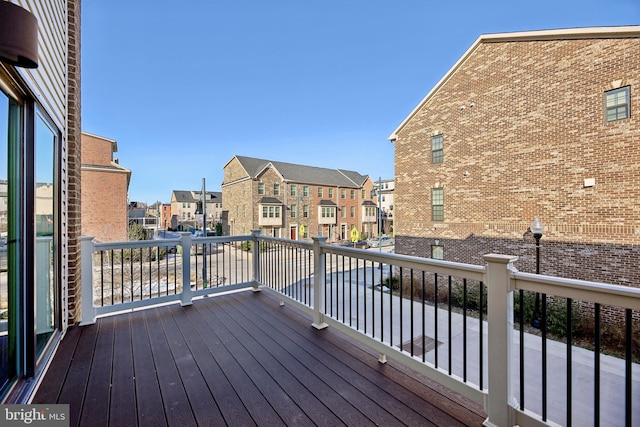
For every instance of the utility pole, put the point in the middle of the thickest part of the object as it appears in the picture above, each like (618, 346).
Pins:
(380, 227)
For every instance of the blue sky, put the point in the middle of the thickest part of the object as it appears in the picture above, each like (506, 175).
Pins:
(184, 86)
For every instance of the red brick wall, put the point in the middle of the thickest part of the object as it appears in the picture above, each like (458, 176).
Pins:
(523, 125)
(74, 129)
(104, 193)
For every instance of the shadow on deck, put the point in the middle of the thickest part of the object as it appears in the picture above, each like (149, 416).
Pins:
(237, 359)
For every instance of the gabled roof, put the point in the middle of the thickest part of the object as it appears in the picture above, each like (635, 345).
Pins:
(562, 34)
(187, 196)
(302, 174)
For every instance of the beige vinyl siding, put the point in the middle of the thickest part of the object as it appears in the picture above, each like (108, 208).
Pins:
(49, 86)
(49, 81)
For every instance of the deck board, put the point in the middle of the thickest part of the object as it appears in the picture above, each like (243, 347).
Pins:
(149, 404)
(123, 389)
(75, 385)
(96, 402)
(237, 359)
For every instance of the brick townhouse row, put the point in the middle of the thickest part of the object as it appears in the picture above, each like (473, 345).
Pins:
(296, 201)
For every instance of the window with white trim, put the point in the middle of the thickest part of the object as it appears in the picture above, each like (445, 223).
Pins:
(617, 104)
(437, 148)
(437, 204)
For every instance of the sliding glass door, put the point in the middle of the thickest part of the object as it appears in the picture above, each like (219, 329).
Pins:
(29, 237)
(9, 141)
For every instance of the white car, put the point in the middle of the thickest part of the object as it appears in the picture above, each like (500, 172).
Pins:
(382, 241)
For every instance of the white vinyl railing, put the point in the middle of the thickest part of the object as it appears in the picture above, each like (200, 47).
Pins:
(453, 322)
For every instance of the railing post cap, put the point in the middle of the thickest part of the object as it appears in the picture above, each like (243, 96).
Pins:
(85, 238)
(501, 259)
(319, 238)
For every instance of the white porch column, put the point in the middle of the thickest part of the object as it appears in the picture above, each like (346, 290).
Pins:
(319, 278)
(500, 339)
(256, 260)
(87, 310)
(185, 297)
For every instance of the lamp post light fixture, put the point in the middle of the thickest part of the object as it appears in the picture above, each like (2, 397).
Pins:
(537, 227)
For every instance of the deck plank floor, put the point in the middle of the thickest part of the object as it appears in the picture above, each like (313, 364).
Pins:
(237, 359)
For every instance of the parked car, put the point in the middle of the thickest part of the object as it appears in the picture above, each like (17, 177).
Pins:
(164, 234)
(382, 241)
(363, 244)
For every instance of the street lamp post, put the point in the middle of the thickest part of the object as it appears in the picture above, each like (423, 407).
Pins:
(203, 196)
(537, 227)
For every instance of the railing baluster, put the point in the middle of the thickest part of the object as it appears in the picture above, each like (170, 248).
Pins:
(521, 320)
(596, 368)
(150, 273)
(568, 355)
(364, 293)
(141, 275)
(481, 336)
(122, 273)
(343, 292)
(450, 327)
(111, 274)
(411, 306)
(464, 330)
(350, 290)
(628, 374)
(101, 278)
(435, 316)
(390, 278)
(381, 305)
(424, 317)
(544, 356)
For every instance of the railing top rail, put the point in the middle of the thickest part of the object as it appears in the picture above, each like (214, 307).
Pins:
(133, 244)
(298, 243)
(220, 239)
(603, 293)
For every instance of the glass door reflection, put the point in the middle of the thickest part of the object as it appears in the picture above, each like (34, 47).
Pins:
(46, 220)
(9, 139)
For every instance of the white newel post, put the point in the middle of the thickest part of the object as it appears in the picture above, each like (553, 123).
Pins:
(319, 278)
(185, 297)
(256, 260)
(500, 339)
(87, 310)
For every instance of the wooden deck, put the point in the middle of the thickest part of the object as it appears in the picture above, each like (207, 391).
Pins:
(239, 360)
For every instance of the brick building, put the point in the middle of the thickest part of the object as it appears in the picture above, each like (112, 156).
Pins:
(296, 201)
(524, 125)
(105, 185)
